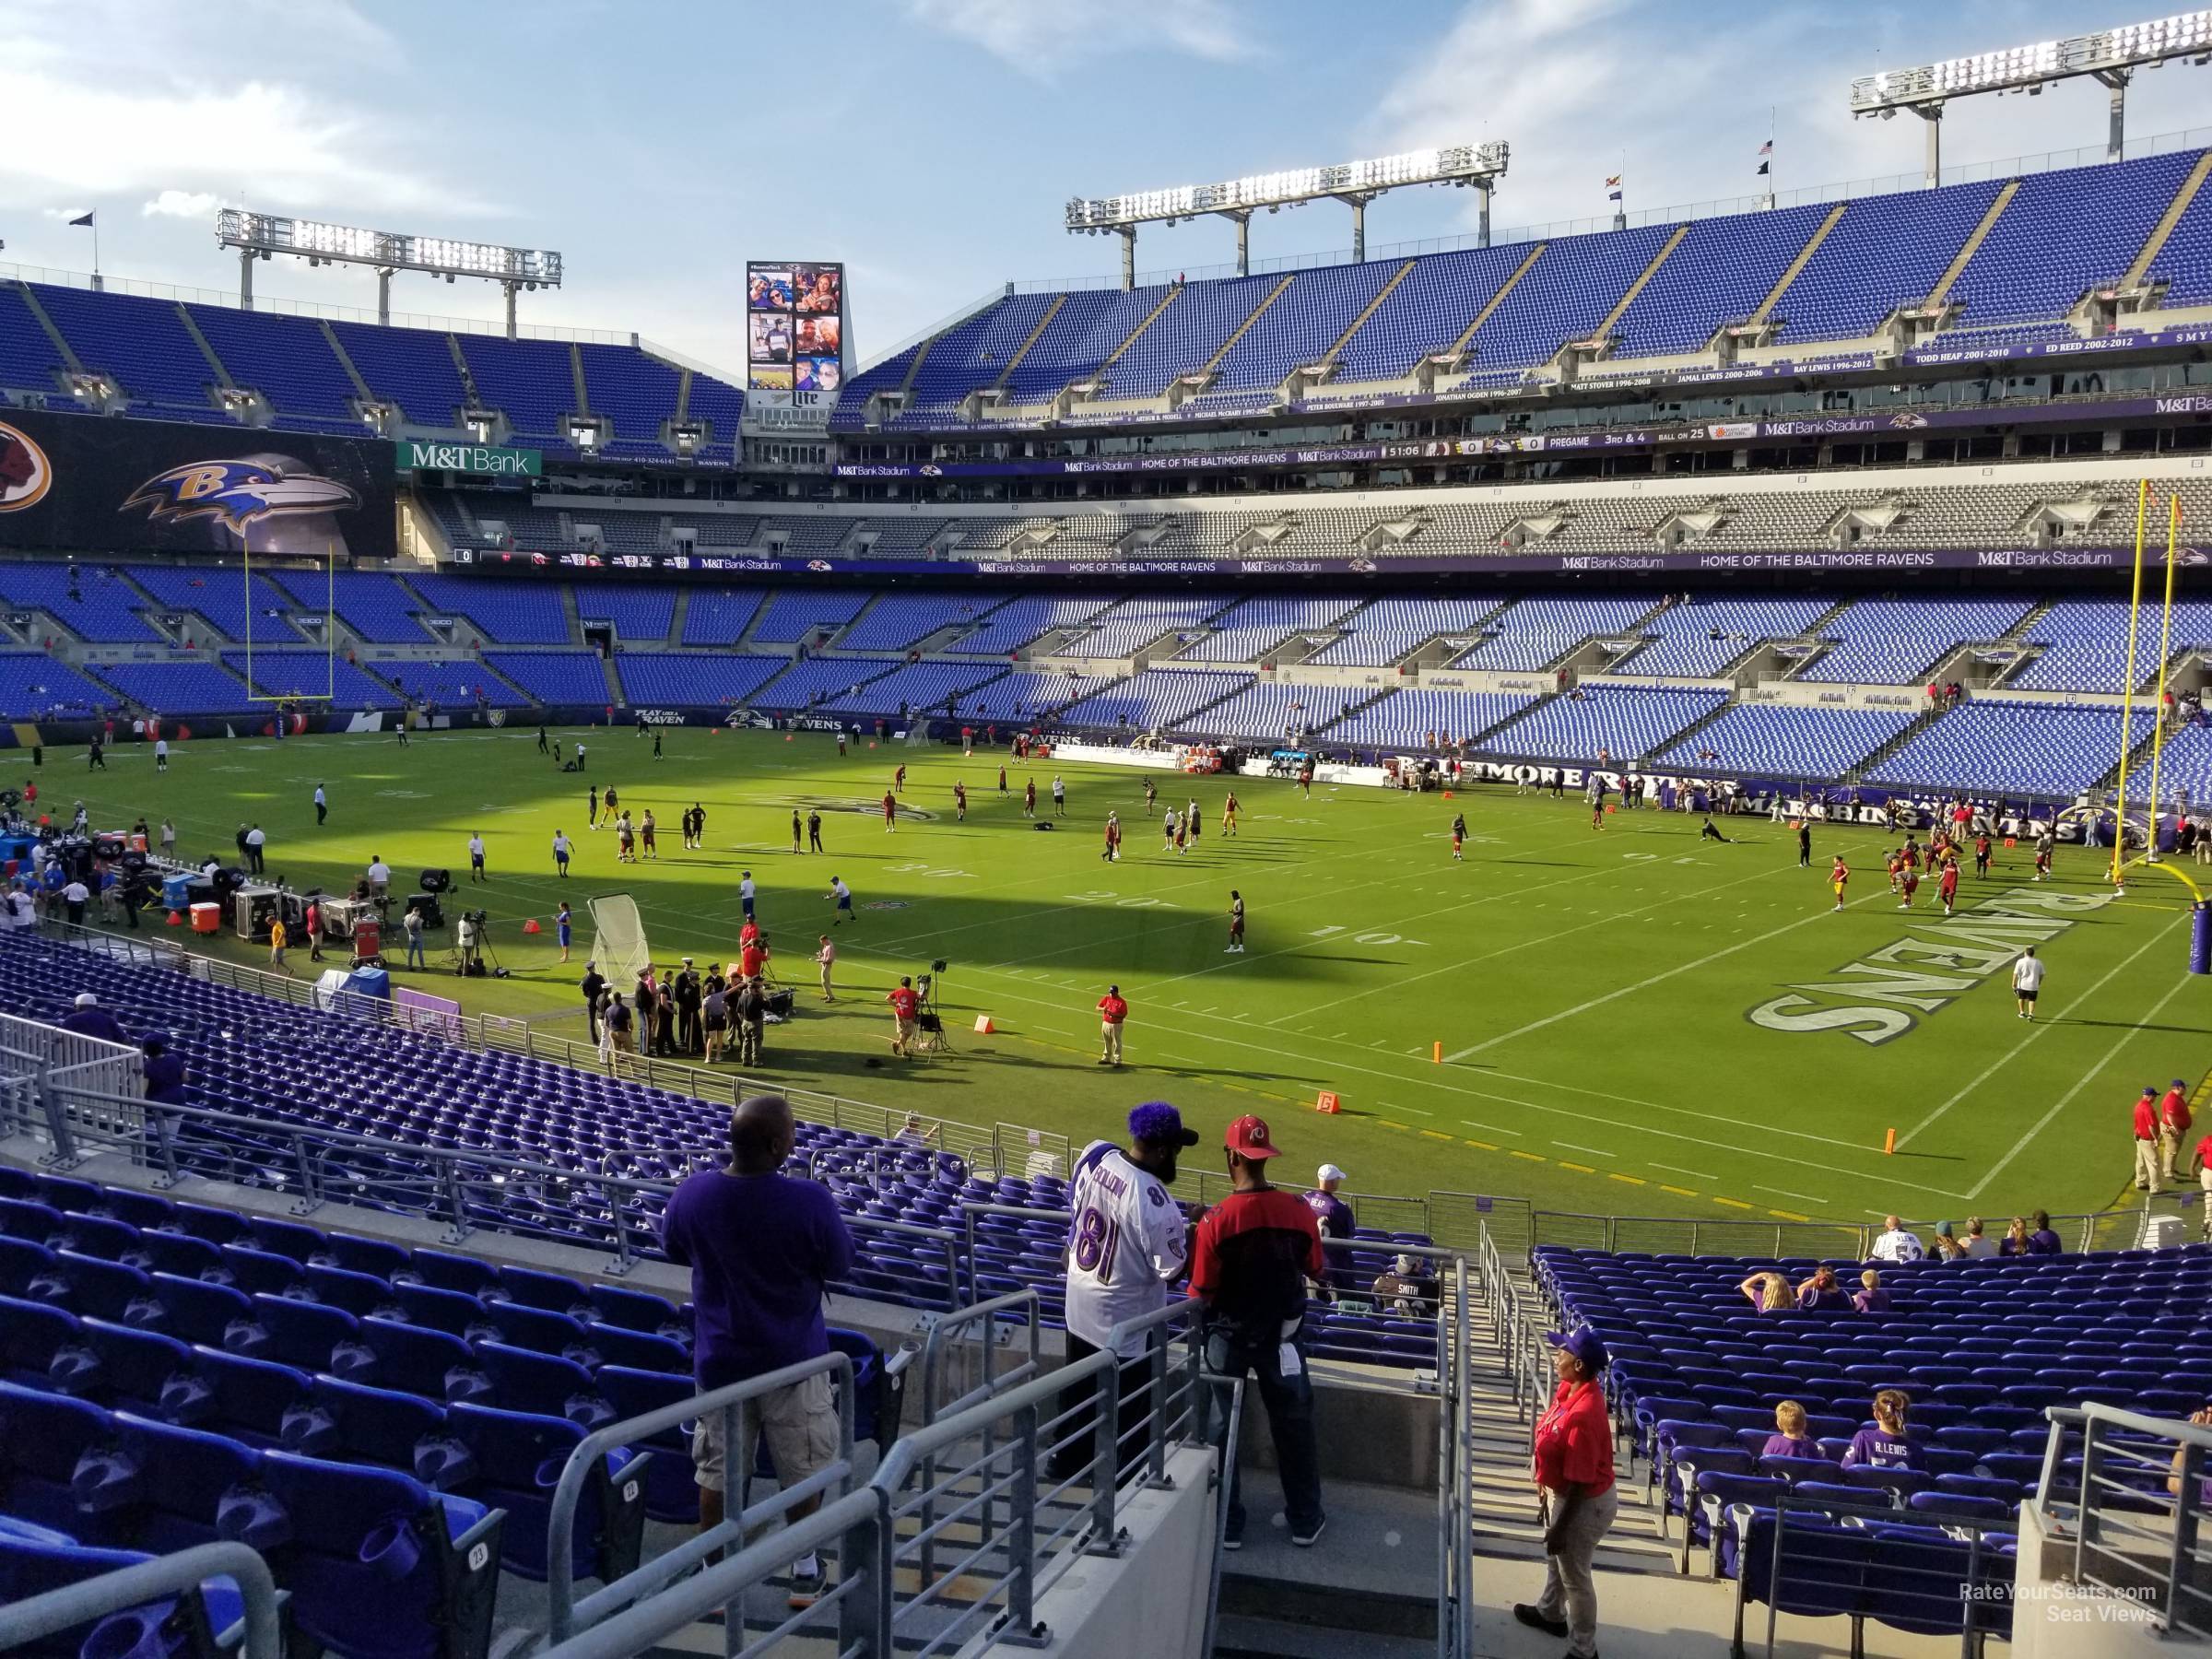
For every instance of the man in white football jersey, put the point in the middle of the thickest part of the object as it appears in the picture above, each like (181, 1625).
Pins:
(1129, 1244)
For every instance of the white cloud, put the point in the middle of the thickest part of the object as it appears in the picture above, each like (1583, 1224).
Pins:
(151, 101)
(179, 204)
(1041, 37)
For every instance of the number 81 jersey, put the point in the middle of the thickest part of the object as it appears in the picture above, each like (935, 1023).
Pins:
(1128, 1243)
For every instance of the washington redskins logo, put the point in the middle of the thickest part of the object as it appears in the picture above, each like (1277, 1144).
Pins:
(24, 472)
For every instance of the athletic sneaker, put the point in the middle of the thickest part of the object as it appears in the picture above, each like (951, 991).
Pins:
(1312, 1534)
(1232, 1543)
(808, 1582)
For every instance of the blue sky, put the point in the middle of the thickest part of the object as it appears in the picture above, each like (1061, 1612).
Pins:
(930, 144)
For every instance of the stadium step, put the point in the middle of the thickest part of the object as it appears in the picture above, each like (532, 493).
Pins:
(222, 375)
(62, 349)
(361, 386)
(1869, 767)
(1621, 305)
(1373, 306)
(1213, 363)
(1043, 323)
(681, 616)
(1373, 1574)
(1805, 257)
(570, 614)
(2153, 245)
(1503, 1505)
(1495, 300)
(583, 396)
(1973, 242)
(1137, 333)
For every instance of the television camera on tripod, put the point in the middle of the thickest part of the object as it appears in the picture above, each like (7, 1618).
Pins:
(927, 1017)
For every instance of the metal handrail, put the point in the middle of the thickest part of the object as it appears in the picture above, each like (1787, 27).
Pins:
(565, 1614)
(2128, 1537)
(26, 1621)
(856, 1523)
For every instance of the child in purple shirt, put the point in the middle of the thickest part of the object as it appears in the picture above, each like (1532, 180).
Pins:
(1794, 1437)
(1873, 1298)
(1884, 1446)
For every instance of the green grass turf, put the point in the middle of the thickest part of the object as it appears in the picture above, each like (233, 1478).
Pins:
(1591, 989)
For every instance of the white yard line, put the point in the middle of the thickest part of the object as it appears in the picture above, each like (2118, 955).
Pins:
(2036, 1029)
(2066, 1100)
(1644, 984)
(1678, 1170)
(1785, 1192)
(1550, 938)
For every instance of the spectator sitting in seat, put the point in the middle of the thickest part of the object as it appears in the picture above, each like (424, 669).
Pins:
(2015, 1241)
(2042, 1242)
(1791, 1437)
(1978, 1243)
(1821, 1294)
(1873, 1298)
(1896, 1245)
(1948, 1248)
(1408, 1288)
(1885, 1445)
(1769, 1292)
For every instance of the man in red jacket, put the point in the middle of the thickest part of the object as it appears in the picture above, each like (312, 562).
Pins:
(2147, 1142)
(1253, 1253)
(2173, 1125)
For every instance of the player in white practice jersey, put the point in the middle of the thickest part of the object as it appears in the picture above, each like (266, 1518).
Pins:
(1129, 1244)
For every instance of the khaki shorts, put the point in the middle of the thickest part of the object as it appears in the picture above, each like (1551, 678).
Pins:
(800, 1422)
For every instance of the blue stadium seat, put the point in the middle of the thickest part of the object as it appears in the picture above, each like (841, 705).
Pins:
(379, 1566)
(519, 1458)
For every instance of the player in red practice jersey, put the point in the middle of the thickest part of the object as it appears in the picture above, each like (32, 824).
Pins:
(1839, 877)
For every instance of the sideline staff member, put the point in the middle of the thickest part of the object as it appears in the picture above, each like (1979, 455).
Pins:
(1574, 1468)
(1113, 1012)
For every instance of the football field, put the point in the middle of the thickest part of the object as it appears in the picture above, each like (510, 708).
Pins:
(1631, 1021)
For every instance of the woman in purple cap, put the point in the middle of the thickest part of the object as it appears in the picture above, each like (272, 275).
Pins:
(1573, 1469)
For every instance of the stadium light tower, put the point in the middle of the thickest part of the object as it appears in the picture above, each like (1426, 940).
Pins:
(2111, 55)
(262, 235)
(1476, 166)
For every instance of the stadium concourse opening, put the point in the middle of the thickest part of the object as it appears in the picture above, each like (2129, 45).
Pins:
(1222, 947)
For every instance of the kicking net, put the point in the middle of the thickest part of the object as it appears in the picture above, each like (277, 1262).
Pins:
(619, 943)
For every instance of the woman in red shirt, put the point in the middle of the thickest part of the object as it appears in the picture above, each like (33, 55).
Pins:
(1574, 1468)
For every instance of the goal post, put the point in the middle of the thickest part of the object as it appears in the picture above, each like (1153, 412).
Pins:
(618, 936)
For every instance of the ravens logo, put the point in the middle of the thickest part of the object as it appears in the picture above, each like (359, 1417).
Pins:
(238, 492)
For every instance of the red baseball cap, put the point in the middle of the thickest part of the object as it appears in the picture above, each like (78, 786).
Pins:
(1247, 1138)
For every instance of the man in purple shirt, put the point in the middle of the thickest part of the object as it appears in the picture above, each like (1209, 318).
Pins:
(1333, 1216)
(761, 1248)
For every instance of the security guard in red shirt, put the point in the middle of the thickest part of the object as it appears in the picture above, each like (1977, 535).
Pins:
(1113, 1012)
(1572, 1465)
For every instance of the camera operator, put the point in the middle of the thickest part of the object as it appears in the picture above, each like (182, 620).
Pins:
(468, 937)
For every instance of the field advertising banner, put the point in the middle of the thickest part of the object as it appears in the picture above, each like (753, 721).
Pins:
(795, 320)
(95, 484)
